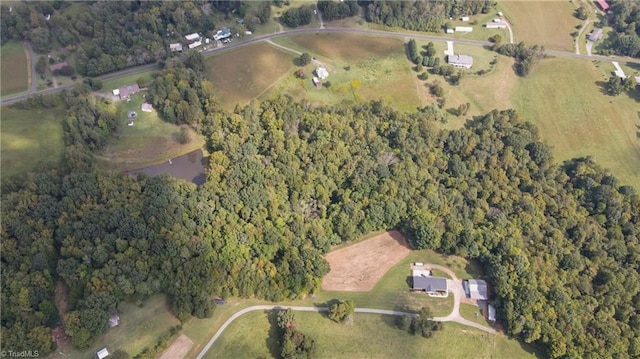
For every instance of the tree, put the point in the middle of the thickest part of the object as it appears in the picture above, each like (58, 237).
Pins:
(436, 89)
(184, 137)
(304, 59)
(581, 13)
(286, 318)
(41, 65)
(615, 85)
(423, 324)
(300, 74)
(342, 310)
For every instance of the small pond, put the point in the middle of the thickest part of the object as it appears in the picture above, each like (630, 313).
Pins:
(189, 167)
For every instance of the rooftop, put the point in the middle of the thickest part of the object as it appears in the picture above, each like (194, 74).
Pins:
(430, 284)
(475, 289)
(460, 59)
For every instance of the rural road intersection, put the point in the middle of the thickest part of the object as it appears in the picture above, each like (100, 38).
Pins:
(455, 287)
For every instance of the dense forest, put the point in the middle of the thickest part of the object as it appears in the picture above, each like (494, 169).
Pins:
(624, 18)
(286, 181)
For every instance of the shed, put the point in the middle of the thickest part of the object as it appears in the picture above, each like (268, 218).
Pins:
(222, 34)
(175, 47)
(316, 81)
(102, 353)
(603, 4)
(195, 44)
(463, 28)
(450, 31)
(116, 92)
(460, 61)
(192, 37)
(595, 35)
(115, 318)
(475, 289)
(146, 107)
(496, 25)
(464, 18)
(491, 313)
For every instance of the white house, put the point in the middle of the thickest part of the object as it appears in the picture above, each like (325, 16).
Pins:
(175, 47)
(322, 73)
(450, 31)
(102, 353)
(192, 37)
(464, 28)
(496, 25)
(116, 92)
(460, 61)
(195, 44)
(464, 18)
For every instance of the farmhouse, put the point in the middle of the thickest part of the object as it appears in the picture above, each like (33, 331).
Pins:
(475, 289)
(603, 4)
(126, 91)
(463, 28)
(496, 25)
(59, 66)
(434, 286)
(595, 35)
(460, 61)
(192, 37)
(222, 34)
(176, 47)
(322, 73)
(102, 353)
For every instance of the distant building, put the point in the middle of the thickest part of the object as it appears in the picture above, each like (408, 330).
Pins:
(464, 18)
(146, 107)
(222, 34)
(175, 47)
(116, 92)
(59, 66)
(496, 25)
(475, 289)
(102, 353)
(322, 73)
(240, 21)
(193, 45)
(595, 35)
(115, 319)
(450, 31)
(460, 61)
(192, 37)
(491, 313)
(125, 92)
(603, 4)
(248, 32)
(463, 28)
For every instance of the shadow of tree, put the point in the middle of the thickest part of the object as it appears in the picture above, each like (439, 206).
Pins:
(273, 338)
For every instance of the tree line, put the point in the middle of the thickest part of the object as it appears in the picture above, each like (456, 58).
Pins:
(624, 19)
(286, 181)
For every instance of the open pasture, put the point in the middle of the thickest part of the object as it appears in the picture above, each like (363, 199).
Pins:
(14, 72)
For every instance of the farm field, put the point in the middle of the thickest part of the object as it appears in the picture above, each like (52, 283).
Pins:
(140, 327)
(13, 68)
(30, 140)
(242, 74)
(547, 23)
(148, 142)
(370, 336)
(577, 119)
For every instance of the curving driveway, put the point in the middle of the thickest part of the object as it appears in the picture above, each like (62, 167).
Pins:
(455, 287)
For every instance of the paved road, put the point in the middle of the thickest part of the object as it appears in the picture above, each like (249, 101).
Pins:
(34, 74)
(366, 32)
(509, 28)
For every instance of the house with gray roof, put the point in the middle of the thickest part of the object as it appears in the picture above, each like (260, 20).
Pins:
(460, 61)
(475, 289)
(434, 286)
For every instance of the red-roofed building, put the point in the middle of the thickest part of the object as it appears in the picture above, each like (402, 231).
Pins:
(603, 4)
(59, 66)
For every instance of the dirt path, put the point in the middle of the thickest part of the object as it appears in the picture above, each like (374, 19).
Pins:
(578, 38)
(31, 64)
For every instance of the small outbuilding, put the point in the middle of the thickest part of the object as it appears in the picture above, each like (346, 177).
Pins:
(192, 37)
(496, 25)
(464, 18)
(316, 81)
(322, 73)
(475, 289)
(595, 35)
(450, 31)
(116, 92)
(175, 47)
(102, 353)
(58, 66)
(146, 107)
(462, 61)
(603, 4)
(491, 313)
(193, 45)
(463, 28)
(114, 320)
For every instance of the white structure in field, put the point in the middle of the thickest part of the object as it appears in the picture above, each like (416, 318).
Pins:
(619, 71)
(463, 28)
(322, 73)
(464, 18)
(192, 37)
(195, 44)
(102, 353)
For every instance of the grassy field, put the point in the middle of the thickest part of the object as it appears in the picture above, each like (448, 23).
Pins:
(148, 142)
(110, 85)
(139, 328)
(242, 74)
(370, 336)
(474, 314)
(548, 23)
(14, 72)
(30, 140)
(574, 115)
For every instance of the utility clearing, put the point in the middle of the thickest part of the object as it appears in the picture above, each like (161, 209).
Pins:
(178, 349)
(357, 268)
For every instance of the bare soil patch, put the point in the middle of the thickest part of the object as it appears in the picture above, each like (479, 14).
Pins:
(359, 267)
(178, 349)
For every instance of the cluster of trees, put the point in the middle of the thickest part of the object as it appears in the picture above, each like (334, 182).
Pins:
(294, 344)
(421, 15)
(107, 36)
(90, 122)
(617, 85)
(286, 181)
(341, 311)
(412, 51)
(181, 94)
(297, 16)
(332, 10)
(624, 18)
(526, 57)
(421, 324)
(304, 59)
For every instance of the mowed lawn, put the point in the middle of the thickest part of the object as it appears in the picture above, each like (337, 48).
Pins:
(575, 117)
(541, 22)
(30, 140)
(140, 327)
(242, 74)
(148, 142)
(14, 76)
(370, 336)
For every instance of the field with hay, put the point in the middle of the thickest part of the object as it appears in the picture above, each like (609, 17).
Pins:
(14, 71)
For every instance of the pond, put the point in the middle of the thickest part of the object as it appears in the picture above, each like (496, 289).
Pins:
(188, 167)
